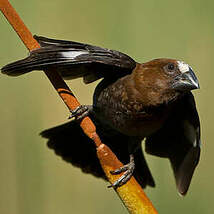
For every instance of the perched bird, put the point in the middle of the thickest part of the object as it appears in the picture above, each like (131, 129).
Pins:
(134, 101)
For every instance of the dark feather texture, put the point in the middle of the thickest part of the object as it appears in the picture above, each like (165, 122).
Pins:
(179, 140)
(134, 101)
(70, 142)
(87, 61)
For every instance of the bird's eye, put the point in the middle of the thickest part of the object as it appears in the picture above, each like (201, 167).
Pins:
(170, 66)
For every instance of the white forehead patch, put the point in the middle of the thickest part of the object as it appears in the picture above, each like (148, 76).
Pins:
(183, 67)
(73, 54)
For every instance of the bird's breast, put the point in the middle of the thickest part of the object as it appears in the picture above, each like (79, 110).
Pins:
(114, 108)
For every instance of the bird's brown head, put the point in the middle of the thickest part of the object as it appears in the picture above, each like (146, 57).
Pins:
(162, 80)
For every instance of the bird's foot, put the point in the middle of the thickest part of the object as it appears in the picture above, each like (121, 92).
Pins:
(128, 169)
(80, 112)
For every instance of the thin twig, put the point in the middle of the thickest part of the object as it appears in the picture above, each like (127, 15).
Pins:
(131, 193)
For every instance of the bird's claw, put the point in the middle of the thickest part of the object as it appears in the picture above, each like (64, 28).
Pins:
(128, 170)
(80, 112)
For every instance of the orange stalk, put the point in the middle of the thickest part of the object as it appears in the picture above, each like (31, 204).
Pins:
(131, 193)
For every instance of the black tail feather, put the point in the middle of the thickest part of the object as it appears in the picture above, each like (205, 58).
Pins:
(69, 142)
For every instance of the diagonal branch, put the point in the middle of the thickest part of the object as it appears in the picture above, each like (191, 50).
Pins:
(131, 193)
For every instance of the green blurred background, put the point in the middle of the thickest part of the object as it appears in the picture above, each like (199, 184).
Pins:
(32, 179)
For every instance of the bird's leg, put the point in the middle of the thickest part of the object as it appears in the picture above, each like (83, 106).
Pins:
(80, 112)
(128, 169)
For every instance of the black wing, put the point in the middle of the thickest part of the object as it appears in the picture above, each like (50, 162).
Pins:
(179, 140)
(73, 60)
(70, 142)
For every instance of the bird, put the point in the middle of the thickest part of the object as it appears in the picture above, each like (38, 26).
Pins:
(134, 102)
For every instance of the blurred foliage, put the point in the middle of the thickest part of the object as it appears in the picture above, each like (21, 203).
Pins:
(32, 179)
